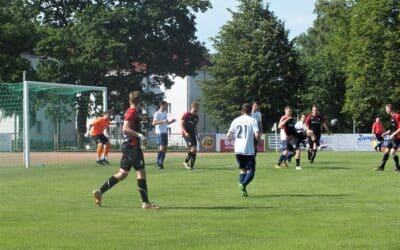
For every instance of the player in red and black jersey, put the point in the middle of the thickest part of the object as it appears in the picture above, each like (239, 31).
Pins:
(313, 125)
(132, 155)
(287, 123)
(189, 132)
(394, 138)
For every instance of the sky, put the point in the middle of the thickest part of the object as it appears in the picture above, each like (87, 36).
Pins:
(296, 14)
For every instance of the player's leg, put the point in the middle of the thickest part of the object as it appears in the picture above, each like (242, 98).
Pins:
(242, 174)
(99, 149)
(125, 166)
(250, 169)
(394, 154)
(189, 154)
(106, 148)
(381, 167)
(297, 157)
(139, 166)
(163, 149)
(310, 147)
(316, 144)
(284, 148)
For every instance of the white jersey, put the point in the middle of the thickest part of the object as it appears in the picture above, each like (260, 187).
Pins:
(244, 128)
(163, 127)
(282, 134)
(257, 115)
(299, 126)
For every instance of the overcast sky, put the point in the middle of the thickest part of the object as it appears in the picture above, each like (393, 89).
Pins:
(297, 14)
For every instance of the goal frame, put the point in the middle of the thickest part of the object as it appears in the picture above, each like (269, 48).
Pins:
(26, 114)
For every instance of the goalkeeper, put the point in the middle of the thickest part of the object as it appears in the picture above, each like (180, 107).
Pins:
(132, 155)
(97, 133)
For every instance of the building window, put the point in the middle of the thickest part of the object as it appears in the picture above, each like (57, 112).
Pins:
(169, 108)
(38, 128)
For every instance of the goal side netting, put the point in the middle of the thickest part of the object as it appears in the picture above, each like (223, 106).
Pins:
(37, 118)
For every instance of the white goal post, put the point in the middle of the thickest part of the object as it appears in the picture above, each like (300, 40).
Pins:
(26, 108)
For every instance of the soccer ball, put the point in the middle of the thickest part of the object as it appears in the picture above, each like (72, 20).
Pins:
(87, 147)
(334, 122)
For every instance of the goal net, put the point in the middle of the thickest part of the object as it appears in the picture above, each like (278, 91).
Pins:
(38, 119)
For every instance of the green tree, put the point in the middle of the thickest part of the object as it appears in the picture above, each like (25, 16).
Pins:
(254, 62)
(323, 56)
(100, 42)
(373, 69)
(17, 34)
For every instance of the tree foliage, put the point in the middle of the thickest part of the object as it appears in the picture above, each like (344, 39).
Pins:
(254, 62)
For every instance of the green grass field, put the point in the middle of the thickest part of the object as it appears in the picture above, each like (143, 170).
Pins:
(337, 203)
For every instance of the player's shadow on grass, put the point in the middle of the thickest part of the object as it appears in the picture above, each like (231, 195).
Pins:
(333, 168)
(301, 195)
(218, 207)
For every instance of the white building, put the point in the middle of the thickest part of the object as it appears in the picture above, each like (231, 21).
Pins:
(179, 97)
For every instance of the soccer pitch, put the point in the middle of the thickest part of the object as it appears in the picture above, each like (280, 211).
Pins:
(336, 203)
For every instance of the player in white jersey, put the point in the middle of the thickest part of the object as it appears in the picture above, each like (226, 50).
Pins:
(244, 130)
(258, 116)
(161, 122)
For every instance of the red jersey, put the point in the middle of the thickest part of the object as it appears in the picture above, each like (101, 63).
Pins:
(190, 123)
(98, 126)
(131, 115)
(395, 124)
(314, 123)
(377, 128)
(289, 126)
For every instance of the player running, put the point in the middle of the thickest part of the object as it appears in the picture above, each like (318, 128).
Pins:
(96, 130)
(189, 132)
(377, 131)
(244, 130)
(313, 124)
(161, 122)
(287, 123)
(132, 155)
(394, 138)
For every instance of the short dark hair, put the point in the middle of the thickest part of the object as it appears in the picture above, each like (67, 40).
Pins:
(389, 106)
(162, 103)
(246, 108)
(287, 107)
(108, 111)
(134, 97)
(195, 104)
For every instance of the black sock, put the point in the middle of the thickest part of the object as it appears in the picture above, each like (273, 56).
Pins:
(314, 154)
(193, 159)
(309, 154)
(297, 162)
(396, 160)
(142, 187)
(384, 160)
(108, 184)
(188, 157)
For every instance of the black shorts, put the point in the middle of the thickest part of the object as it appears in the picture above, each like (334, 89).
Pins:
(379, 137)
(394, 143)
(132, 156)
(292, 143)
(101, 138)
(247, 162)
(191, 140)
(317, 141)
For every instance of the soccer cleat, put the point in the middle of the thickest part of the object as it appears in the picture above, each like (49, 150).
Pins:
(185, 164)
(159, 166)
(149, 205)
(379, 169)
(277, 166)
(100, 162)
(97, 197)
(243, 190)
(298, 168)
(105, 162)
(285, 164)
